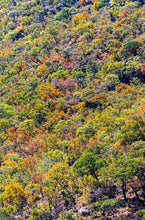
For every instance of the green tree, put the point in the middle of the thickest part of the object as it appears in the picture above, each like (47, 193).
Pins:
(130, 47)
(88, 164)
(63, 14)
(124, 170)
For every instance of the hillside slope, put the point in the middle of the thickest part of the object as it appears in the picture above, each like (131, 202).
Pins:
(72, 109)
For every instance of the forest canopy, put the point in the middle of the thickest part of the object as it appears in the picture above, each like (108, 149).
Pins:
(72, 109)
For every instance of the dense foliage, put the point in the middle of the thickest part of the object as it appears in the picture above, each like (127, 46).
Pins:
(72, 109)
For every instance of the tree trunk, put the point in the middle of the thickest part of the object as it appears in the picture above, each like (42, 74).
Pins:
(124, 190)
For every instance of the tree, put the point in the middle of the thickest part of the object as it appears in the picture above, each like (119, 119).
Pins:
(63, 14)
(88, 164)
(124, 169)
(130, 47)
(13, 191)
(58, 180)
(100, 4)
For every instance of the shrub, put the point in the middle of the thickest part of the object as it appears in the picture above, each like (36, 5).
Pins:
(111, 203)
(141, 214)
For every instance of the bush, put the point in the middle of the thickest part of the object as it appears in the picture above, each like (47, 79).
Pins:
(141, 214)
(111, 203)
(7, 212)
(67, 215)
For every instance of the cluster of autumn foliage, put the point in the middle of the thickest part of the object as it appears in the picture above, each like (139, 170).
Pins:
(72, 109)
